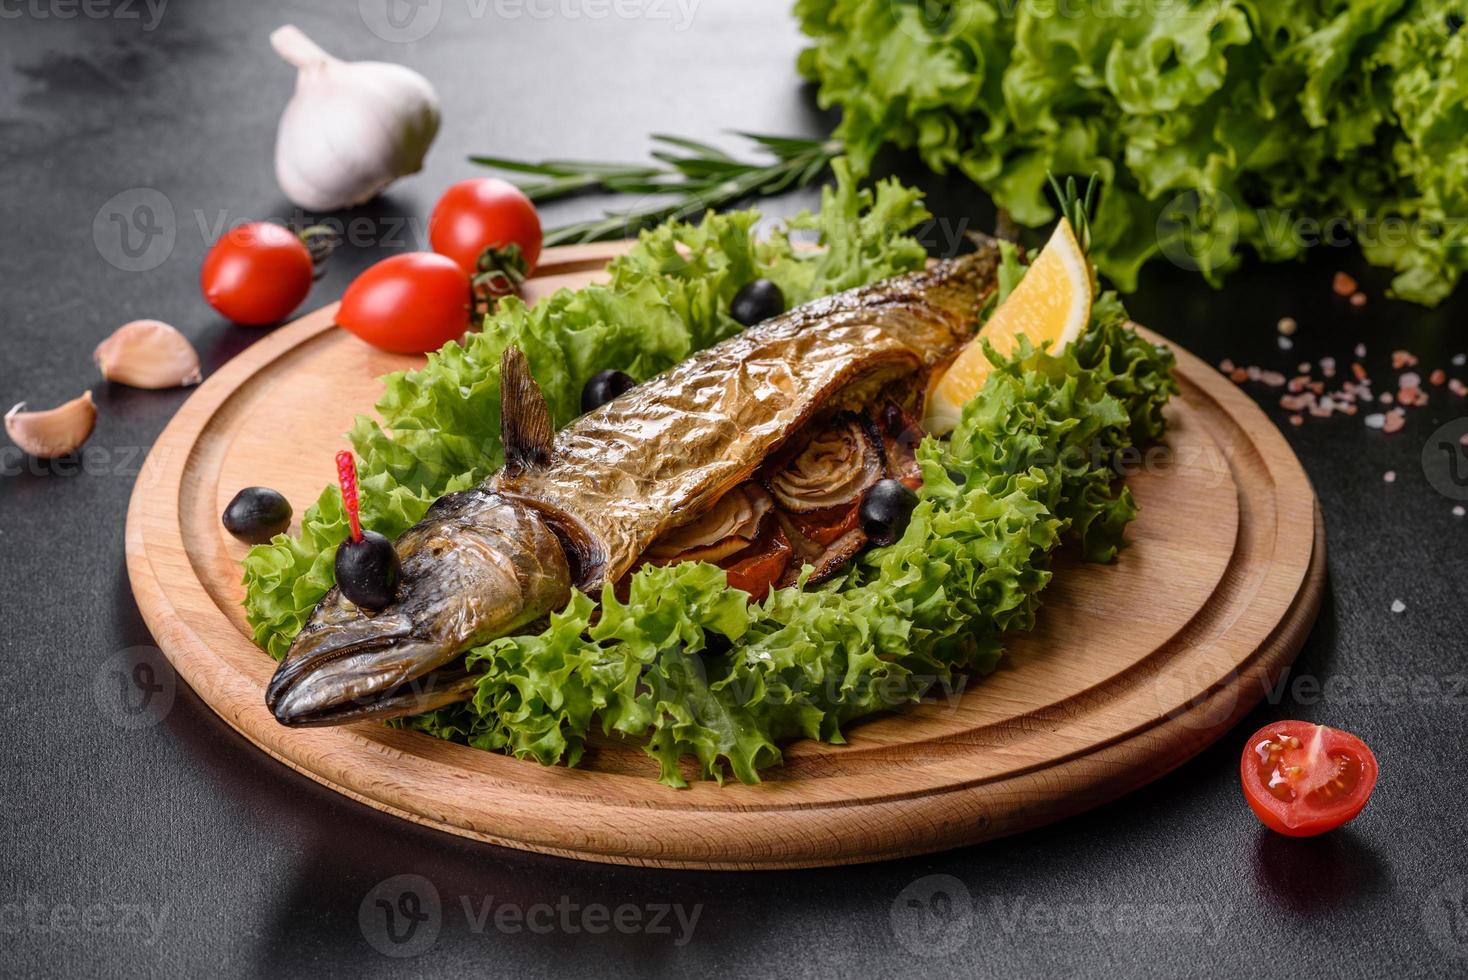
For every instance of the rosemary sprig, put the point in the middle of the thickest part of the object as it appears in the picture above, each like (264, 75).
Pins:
(688, 179)
(1076, 208)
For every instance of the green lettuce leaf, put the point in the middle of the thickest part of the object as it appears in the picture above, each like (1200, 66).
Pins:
(1215, 124)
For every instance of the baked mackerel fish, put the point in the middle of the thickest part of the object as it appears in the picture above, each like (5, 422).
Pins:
(755, 454)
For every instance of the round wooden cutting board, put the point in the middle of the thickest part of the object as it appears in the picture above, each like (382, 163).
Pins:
(1134, 667)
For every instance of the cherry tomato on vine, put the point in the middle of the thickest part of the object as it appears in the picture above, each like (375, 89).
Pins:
(408, 304)
(257, 274)
(485, 212)
(1303, 779)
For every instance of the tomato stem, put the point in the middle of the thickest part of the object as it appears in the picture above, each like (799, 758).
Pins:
(320, 242)
(501, 271)
(346, 475)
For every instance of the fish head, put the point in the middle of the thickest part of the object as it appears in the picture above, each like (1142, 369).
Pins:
(478, 566)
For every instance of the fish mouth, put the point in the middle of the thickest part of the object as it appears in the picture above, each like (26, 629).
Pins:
(376, 668)
(477, 567)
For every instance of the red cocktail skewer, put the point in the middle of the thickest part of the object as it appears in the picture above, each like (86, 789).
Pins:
(346, 475)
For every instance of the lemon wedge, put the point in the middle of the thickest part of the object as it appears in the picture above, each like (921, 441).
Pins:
(1051, 306)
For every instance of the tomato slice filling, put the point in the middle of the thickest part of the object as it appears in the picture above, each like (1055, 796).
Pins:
(786, 532)
(758, 567)
(825, 526)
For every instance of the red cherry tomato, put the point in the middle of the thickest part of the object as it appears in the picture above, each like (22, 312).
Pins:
(408, 303)
(1303, 779)
(257, 274)
(485, 212)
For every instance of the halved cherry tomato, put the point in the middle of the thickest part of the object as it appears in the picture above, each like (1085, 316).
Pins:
(257, 274)
(408, 304)
(763, 565)
(482, 213)
(1303, 779)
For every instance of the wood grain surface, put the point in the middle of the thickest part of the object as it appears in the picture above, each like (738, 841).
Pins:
(1134, 667)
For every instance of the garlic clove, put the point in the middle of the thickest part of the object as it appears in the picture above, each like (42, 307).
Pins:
(148, 354)
(351, 128)
(57, 432)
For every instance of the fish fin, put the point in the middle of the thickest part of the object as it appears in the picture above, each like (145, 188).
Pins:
(525, 422)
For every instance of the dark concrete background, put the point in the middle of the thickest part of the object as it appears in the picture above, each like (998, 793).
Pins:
(172, 847)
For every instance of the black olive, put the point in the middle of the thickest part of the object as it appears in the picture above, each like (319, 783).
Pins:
(886, 510)
(603, 387)
(257, 514)
(757, 302)
(367, 571)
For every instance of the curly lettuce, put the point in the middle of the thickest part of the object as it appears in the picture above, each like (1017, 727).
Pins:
(1214, 123)
(713, 685)
(708, 682)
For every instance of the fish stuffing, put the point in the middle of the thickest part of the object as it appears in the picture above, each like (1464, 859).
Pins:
(754, 454)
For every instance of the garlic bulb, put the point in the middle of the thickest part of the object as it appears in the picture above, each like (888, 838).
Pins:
(148, 354)
(59, 431)
(351, 129)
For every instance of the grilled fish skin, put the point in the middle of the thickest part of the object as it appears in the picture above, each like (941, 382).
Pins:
(579, 510)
